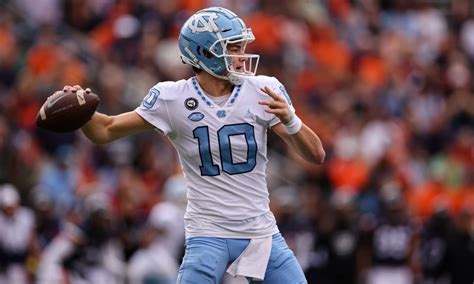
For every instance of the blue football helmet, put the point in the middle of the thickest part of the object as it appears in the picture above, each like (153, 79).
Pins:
(203, 43)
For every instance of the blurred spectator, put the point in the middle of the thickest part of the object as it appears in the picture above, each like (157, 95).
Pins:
(130, 204)
(462, 249)
(162, 242)
(167, 216)
(392, 243)
(153, 262)
(59, 178)
(49, 14)
(6, 151)
(434, 248)
(17, 237)
(47, 220)
(336, 244)
(86, 250)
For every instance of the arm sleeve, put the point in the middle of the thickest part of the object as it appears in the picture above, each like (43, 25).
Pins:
(154, 110)
(278, 88)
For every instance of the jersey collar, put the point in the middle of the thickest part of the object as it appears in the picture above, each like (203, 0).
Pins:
(230, 101)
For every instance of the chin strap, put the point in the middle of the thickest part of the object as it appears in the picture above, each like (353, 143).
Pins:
(233, 78)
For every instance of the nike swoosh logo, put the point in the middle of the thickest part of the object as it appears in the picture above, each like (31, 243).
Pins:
(55, 100)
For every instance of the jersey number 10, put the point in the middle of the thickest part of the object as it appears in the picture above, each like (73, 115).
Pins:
(208, 168)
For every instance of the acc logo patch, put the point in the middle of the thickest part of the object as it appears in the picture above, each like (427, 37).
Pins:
(191, 103)
(196, 116)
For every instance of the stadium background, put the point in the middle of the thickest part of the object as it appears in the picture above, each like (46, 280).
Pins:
(388, 86)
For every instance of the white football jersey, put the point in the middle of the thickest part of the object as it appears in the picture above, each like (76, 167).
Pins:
(223, 152)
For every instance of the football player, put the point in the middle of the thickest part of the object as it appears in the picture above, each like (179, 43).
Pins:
(218, 122)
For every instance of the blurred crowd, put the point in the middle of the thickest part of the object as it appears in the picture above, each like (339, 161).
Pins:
(388, 85)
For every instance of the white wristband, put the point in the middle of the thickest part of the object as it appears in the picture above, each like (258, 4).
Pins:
(293, 125)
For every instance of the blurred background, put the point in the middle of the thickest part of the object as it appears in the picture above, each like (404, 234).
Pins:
(388, 86)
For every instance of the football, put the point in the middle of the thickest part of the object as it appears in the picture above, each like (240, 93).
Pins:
(66, 111)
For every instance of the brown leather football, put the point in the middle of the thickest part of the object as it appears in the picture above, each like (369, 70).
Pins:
(66, 111)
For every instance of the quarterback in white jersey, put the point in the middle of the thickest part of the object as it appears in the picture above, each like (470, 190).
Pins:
(218, 122)
(223, 152)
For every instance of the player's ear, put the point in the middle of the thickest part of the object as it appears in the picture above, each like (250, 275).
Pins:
(207, 54)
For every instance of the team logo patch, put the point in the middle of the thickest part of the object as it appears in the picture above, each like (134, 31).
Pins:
(220, 113)
(191, 103)
(196, 116)
(202, 22)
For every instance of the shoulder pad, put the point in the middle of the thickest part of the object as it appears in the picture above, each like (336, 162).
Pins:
(261, 80)
(271, 82)
(169, 90)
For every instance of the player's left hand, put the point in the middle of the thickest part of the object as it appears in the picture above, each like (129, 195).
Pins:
(277, 105)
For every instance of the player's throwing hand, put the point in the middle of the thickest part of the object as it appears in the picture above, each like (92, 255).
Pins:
(75, 89)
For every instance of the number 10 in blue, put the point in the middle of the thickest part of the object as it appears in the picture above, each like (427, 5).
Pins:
(208, 168)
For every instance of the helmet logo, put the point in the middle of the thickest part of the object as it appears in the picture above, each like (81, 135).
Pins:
(202, 22)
